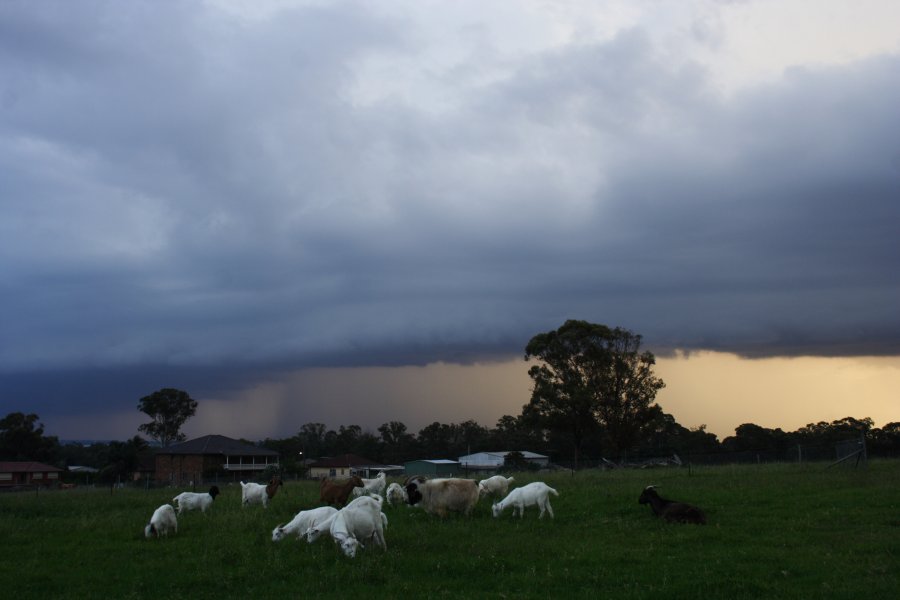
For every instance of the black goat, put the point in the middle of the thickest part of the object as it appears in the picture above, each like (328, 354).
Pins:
(677, 512)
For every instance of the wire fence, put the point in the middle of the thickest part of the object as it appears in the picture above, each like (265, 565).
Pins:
(796, 453)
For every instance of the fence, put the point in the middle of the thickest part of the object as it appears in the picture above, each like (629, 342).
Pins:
(844, 452)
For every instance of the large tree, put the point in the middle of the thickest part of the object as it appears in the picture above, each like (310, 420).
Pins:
(22, 438)
(628, 389)
(169, 408)
(590, 376)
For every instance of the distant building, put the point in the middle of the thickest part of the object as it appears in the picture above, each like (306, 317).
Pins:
(18, 473)
(212, 457)
(492, 461)
(438, 467)
(343, 466)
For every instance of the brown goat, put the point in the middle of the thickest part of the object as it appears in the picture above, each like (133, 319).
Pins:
(674, 512)
(337, 492)
(272, 486)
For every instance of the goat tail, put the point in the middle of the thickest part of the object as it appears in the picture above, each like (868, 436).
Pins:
(555, 493)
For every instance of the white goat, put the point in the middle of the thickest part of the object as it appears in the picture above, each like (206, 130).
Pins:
(496, 485)
(371, 486)
(533, 494)
(256, 493)
(360, 520)
(162, 521)
(396, 494)
(303, 522)
(193, 501)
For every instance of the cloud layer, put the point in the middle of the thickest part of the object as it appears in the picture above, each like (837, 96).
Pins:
(197, 187)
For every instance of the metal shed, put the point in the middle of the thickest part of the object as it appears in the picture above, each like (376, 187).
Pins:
(438, 467)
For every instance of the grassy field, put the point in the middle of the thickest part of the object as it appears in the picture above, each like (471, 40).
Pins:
(775, 531)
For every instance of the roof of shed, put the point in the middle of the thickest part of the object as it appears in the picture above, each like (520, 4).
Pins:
(26, 467)
(502, 454)
(216, 444)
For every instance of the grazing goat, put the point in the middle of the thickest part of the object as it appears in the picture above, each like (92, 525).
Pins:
(337, 492)
(256, 493)
(674, 512)
(162, 522)
(533, 494)
(496, 485)
(360, 520)
(192, 501)
(303, 522)
(396, 494)
(371, 486)
(440, 496)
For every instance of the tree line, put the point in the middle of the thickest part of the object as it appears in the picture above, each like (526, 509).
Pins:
(593, 396)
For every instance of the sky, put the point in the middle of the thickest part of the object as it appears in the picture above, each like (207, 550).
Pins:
(355, 212)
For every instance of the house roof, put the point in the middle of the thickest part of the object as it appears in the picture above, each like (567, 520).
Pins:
(437, 461)
(216, 444)
(27, 467)
(344, 460)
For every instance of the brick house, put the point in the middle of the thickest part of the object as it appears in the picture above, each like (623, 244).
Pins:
(18, 473)
(212, 458)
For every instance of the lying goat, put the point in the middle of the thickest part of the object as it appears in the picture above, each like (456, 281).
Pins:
(674, 512)
(256, 493)
(303, 522)
(533, 494)
(162, 522)
(193, 501)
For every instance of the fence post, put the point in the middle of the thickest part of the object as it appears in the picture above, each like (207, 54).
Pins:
(799, 454)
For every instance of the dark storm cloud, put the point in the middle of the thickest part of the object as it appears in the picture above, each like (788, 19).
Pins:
(186, 189)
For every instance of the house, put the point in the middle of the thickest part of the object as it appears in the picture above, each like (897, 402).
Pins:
(212, 458)
(492, 461)
(438, 467)
(343, 466)
(18, 473)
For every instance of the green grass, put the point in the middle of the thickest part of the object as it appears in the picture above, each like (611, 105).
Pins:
(775, 531)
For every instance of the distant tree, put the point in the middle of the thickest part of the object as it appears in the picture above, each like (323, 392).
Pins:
(665, 435)
(396, 443)
(752, 438)
(123, 460)
(513, 433)
(591, 376)
(169, 408)
(468, 437)
(312, 439)
(435, 440)
(22, 438)
(886, 440)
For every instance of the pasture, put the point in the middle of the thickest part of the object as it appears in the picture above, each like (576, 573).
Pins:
(775, 531)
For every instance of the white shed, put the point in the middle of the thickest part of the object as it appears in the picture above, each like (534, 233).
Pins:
(489, 461)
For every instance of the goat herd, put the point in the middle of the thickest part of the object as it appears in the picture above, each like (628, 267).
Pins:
(361, 519)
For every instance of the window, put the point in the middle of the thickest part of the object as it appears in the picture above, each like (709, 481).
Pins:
(37, 475)
(5, 476)
(52, 475)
